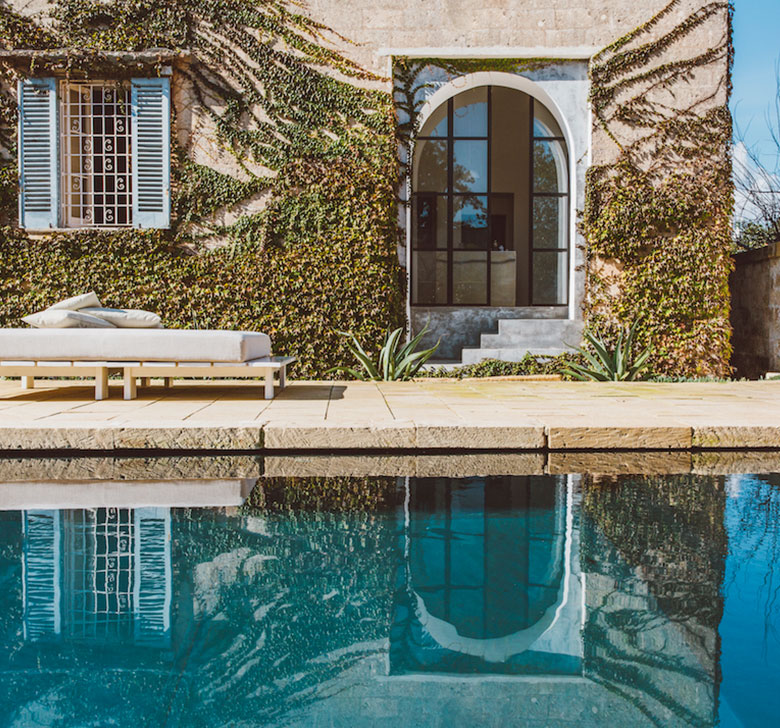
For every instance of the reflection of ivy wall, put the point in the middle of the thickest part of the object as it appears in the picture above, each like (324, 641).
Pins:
(654, 549)
(266, 609)
(658, 217)
(320, 256)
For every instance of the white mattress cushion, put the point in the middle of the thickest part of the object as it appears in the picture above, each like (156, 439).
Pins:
(132, 345)
(77, 302)
(62, 319)
(125, 318)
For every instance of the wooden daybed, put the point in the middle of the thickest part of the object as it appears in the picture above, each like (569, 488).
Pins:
(139, 354)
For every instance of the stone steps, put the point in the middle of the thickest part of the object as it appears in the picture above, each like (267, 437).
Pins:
(516, 337)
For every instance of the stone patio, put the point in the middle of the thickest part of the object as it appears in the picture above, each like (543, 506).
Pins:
(408, 416)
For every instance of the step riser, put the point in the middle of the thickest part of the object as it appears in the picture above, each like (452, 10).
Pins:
(474, 356)
(533, 335)
(515, 341)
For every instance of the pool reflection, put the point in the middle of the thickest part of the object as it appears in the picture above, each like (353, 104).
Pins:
(491, 579)
(477, 601)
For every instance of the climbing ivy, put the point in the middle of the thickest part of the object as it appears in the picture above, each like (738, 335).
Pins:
(657, 219)
(305, 130)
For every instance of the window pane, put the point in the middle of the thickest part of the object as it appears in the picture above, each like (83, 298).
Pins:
(469, 277)
(429, 283)
(469, 171)
(503, 278)
(550, 222)
(470, 113)
(470, 223)
(544, 122)
(429, 213)
(436, 126)
(95, 154)
(502, 222)
(550, 167)
(431, 166)
(549, 278)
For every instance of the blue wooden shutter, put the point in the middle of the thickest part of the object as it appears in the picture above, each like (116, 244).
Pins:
(39, 185)
(151, 152)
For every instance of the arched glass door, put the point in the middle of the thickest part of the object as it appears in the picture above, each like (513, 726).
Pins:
(490, 206)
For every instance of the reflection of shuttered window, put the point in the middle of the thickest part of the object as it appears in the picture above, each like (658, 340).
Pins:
(94, 154)
(98, 575)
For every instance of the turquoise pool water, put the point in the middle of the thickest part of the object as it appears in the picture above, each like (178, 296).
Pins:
(500, 601)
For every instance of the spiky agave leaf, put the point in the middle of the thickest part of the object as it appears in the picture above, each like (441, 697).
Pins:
(393, 363)
(606, 365)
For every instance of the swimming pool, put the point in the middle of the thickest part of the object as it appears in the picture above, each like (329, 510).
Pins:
(538, 600)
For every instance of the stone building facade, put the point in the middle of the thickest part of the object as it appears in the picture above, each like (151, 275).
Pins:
(495, 101)
(542, 50)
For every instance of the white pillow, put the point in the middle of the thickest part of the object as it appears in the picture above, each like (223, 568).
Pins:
(59, 319)
(125, 318)
(77, 302)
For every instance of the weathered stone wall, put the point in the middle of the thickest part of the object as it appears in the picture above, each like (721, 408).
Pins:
(438, 28)
(755, 311)
(372, 34)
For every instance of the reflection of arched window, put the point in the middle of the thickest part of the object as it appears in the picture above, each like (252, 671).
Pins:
(486, 577)
(490, 204)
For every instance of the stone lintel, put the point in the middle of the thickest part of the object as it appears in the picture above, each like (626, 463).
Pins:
(82, 61)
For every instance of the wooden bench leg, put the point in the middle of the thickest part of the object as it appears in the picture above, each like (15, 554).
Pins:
(283, 377)
(101, 383)
(167, 382)
(145, 381)
(269, 384)
(129, 386)
(28, 382)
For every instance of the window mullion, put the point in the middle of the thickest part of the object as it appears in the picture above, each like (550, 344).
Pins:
(489, 256)
(450, 200)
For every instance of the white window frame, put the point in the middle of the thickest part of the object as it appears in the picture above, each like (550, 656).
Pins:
(41, 175)
(95, 154)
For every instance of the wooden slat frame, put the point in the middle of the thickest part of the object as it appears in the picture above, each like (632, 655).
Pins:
(132, 371)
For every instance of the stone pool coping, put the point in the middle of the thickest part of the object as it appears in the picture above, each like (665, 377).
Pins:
(426, 415)
(21, 467)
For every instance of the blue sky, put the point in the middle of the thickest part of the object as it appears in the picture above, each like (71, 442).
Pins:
(757, 54)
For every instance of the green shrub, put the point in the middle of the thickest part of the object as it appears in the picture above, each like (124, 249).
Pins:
(395, 362)
(530, 365)
(610, 364)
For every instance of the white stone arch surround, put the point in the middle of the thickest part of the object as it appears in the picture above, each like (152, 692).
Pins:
(563, 91)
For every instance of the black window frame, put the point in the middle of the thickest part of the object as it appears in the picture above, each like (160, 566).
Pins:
(450, 138)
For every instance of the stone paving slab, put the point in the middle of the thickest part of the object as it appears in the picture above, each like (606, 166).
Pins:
(423, 415)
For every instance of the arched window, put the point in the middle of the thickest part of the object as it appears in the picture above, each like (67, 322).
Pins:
(490, 207)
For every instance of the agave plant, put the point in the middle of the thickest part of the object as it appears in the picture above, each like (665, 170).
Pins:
(396, 362)
(610, 365)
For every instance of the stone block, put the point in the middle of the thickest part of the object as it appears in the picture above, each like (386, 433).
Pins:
(56, 438)
(736, 436)
(188, 438)
(618, 438)
(476, 437)
(398, 435)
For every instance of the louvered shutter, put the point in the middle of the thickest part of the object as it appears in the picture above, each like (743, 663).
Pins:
(38, 198)
(151, 152)
(152, 577)
(41, 574)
